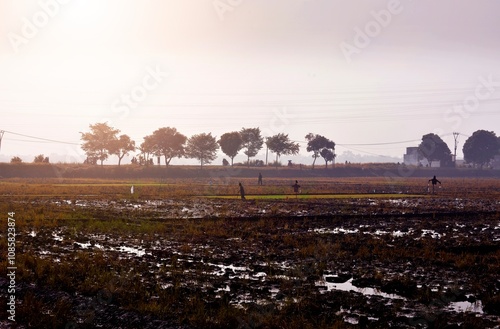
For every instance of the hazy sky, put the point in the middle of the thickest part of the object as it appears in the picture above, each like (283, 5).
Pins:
(358, 72)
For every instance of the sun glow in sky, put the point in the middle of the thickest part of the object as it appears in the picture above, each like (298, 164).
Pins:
(293, 66)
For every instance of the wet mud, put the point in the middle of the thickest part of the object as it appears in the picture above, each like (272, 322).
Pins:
(430, 262)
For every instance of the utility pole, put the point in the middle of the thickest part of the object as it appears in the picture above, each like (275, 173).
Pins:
(455, 136)
(1, 136)
(267, 150)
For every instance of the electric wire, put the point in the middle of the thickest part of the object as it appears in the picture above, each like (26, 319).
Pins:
(41, 138)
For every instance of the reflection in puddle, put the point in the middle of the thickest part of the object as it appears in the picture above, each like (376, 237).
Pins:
(348, 286)
(223, 269)
(433, 234)
(130, 250)
(336, 230)
(460, 307)
(56, 237)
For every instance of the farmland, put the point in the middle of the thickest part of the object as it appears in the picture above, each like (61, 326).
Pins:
(188, 253)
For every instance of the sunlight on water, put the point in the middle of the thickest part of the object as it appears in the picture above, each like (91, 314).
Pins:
(348, 286)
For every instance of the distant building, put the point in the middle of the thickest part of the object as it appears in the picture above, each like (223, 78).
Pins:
(411, 156)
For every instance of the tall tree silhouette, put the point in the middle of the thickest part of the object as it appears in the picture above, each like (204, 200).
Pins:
(280, 144)
(202, 147)
(231, 143)
(122, 147)
(252, 142)
(320, 146)
(433, 148)
(481, 147)
(168, 142)
(98, 142)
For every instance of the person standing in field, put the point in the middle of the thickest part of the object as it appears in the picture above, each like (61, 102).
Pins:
(260, 179)
(242, 192)
(296, 187)
(434, 181)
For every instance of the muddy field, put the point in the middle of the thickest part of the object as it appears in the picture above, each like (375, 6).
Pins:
(350, 261)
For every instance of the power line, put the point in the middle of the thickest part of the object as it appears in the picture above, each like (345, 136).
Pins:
(1, 136)
(366, 152)
(38, 138)
(27, 140)
(391, 143)
(377, 144)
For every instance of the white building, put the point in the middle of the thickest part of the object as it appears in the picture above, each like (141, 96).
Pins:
(413, 158)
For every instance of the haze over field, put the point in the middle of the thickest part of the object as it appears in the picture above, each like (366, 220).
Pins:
(371, 72)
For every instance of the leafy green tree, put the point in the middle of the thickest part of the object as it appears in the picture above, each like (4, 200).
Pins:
(99, 141)
(433, 148)
(202, 147)
(169, 143)
(231, 143)
(319, 145)
(481, 147)
(252, 142)
(282, 145)
(122, 147)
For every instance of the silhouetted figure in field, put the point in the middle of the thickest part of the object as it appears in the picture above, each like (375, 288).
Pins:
(260, 179)
(296, 188)
(242, 192)
(434, 181)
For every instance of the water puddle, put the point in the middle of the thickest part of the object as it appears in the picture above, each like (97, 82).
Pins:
(56, 237)
(88, 245)
(231, 269)
(348, 286)
(128, 250)
(337, 230)
(378, 232)
(433, 234)
(131, 250)
(83, 245)
(462, 307)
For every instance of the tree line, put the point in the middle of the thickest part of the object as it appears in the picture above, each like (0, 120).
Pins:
(103, 141)
(479, 149)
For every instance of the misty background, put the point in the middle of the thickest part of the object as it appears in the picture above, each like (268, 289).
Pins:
(218, 67)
